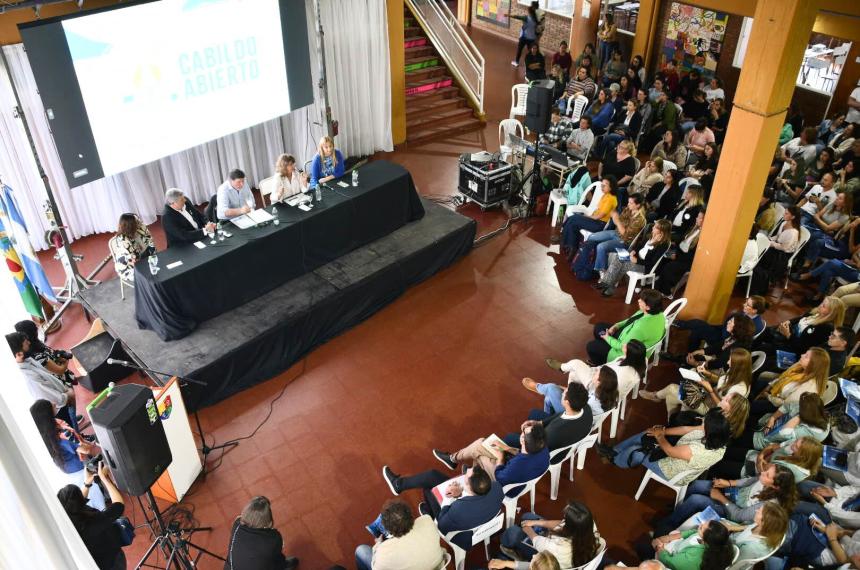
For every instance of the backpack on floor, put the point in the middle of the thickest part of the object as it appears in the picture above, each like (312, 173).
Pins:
(583, 263)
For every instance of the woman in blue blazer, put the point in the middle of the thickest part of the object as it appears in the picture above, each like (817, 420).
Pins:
(327, 164)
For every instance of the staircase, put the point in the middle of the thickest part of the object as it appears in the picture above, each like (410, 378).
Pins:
(435, 104)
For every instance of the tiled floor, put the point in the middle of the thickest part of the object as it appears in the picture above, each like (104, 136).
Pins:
(437, 368)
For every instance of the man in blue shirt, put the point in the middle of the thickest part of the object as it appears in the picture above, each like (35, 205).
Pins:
(503, 463)
(234, 196)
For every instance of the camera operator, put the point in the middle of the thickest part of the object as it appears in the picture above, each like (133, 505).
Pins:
(67, 449)
(98, 528)
(55, 361)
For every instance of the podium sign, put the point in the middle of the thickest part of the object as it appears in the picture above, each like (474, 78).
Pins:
(186, 465)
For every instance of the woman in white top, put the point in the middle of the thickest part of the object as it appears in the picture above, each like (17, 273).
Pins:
(288, 181)
(775, 259)
(714, 90)
(736, 380)
(629, 370)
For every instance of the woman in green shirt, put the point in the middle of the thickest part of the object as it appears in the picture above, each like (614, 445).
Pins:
(703, 548)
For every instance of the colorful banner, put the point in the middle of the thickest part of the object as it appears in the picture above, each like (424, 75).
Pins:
(495, 11)
(28, 293)
(694, 38)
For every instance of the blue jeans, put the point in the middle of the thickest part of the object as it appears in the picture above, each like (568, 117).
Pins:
(629, 454)
(570, 236)
(514, 537)
(363, 557)
(697, 500)
(830, 270)
(551, 397)
(607, 241)
(817, 238)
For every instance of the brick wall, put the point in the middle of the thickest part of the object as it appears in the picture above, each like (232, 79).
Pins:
(556, 28)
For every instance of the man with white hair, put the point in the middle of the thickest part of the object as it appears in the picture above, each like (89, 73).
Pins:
(182, 224)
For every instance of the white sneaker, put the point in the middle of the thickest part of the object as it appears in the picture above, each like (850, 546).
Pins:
(515, 63)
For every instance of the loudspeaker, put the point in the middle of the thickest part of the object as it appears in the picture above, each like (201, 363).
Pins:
(92, 355)
(539, 105)
(130, 433)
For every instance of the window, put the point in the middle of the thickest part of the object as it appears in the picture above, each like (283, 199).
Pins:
(558, 7)
(625, 14)
(823, 60)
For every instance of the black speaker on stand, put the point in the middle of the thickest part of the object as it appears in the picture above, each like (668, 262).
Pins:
(539, 106)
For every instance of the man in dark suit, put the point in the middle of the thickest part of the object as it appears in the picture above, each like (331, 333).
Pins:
(477, 501)
(182, 224)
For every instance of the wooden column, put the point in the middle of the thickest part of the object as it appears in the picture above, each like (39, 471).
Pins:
(765, 87)
(645, 42)
(583, 30)
(396, 60)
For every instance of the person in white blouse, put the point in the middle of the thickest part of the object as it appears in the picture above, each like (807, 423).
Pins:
(714, 90)
(789, 234)
(288, 180)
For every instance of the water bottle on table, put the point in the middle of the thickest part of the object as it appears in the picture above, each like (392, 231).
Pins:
(318, 193)
(276, 221)
(153, 263)
(354, 177)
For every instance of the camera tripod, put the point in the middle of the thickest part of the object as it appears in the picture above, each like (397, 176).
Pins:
(173, 541)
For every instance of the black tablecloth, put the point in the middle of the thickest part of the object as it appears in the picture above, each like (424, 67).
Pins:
(254, 261)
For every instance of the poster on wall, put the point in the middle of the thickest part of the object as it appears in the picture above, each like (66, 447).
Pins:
(495, 11)
(694, 38)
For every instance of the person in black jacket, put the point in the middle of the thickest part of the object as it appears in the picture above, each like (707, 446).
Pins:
(806, 331)
(182, 224)
(564, 428)
(683, 217)
(664, 196)
(254, 542)
(679, 258)
(643, 255)
(98, 530)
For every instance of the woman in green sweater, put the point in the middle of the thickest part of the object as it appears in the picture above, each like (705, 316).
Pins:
(703, 548)
(646, 325)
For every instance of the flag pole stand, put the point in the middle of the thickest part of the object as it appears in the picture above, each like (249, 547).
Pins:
(75, 282)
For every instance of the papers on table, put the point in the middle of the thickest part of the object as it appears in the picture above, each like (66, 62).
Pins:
(343, 184)
(440, 490)
(199, 245)
(305, 207)
(252, 218)
(174, 264)
(297, 199)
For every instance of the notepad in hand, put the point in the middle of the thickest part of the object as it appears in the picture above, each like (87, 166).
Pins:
(623, 254)
(709, 514)
(440, 490)
(849, 389)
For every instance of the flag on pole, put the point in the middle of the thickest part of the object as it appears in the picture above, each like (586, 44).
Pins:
(12, 222)
(31, 300)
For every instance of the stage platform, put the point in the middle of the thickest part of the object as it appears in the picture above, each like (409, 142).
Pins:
(257, 341)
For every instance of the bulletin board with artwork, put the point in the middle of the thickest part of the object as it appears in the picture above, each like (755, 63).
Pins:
(694, 38)
(495, 11)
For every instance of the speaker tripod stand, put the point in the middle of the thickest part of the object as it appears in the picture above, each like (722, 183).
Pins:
(173, 541)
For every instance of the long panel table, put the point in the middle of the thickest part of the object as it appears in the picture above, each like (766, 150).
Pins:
(254, 261)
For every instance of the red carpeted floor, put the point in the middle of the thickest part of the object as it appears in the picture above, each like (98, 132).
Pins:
(437, 368)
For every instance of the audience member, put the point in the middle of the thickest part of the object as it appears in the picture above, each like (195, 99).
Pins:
(621, 165)
(684, 216)
(580, 140)
(559, 130)
(642, 258)
(131, 243)
(566, 427)
(97, 528)
(540, 561)
(608, 37)
(535, 63)
(562, 58)
(600, 111)
(714, 89)
(698, 138)
(694, 109)
(613, 68)
(648, 176)
(801, 147)
(767, 531)
(625, 125)
(689, 84)
(528, 33)
(55, 361)
(408, 543)
(581, 85)
(664, 196)
(646, 325)
(665, 118)
(811, 329)
(679, 259)
(255, 543)
(627, 226)
(807, 375)
(594, 222)
(670, 148)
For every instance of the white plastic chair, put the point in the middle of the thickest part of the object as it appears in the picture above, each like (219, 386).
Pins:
(558, 198)
(830, 391)
(267, 186)
(112, 247)
(758, 359)
(737, 553)
(596, 188)
(669, 165)
(636, 280)
(597, 422)
(763, 244)
(804, 238)
(509, 127)
(574, 452)
(575, 106)
(620, 411)
(510, 503)
(686, 181)
(598, 558)
(680, 489)
(671, 313)
(480, 533)
(763, 328)
(519, 94)
(751, 562)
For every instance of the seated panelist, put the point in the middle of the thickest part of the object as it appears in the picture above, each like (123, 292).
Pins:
(288, 180)
(234, 196)
(182, 223)
(327, 164)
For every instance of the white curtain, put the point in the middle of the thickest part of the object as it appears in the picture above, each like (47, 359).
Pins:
(360, 96)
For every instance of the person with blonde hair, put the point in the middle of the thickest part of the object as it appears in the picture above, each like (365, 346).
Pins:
(684, 217)
(328, 163)
(809, 330)
(802, 456)
(255, 542)
(764, 535)
(288, 182)
(540, 561)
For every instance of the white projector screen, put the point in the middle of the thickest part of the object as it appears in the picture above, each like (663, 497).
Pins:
(151, 79)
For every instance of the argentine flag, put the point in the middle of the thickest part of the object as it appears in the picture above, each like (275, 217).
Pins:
(12, 223)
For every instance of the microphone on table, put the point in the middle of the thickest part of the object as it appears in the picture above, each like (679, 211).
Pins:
(121, 362)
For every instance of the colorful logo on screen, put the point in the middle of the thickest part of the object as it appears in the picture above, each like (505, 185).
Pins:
(165, 408)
